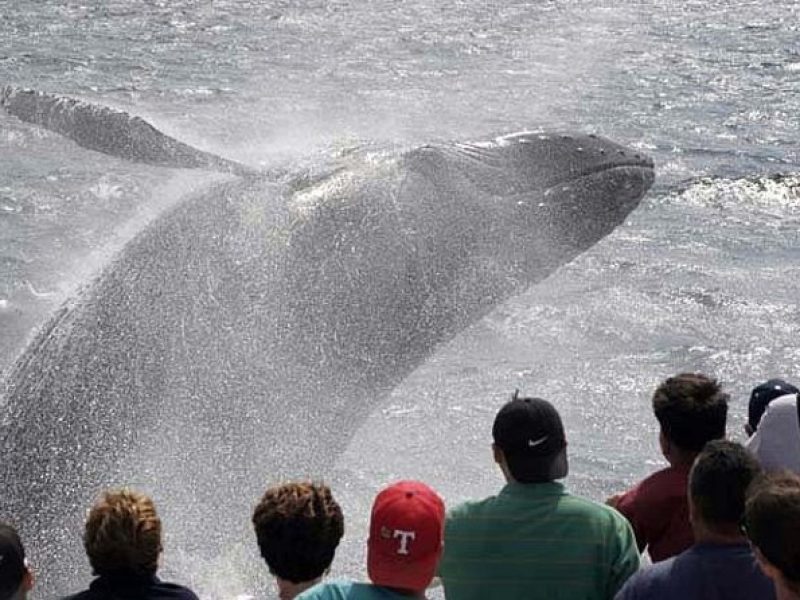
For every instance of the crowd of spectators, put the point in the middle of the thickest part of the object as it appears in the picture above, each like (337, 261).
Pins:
(721, 521)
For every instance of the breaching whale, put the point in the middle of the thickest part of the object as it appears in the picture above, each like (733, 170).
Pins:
(246, 333)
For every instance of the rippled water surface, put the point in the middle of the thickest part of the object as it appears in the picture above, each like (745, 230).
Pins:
(703, 276)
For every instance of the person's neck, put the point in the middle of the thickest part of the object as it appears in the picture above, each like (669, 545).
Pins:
(719, 535)
(288, 589)
(407, 593)
(680, 459)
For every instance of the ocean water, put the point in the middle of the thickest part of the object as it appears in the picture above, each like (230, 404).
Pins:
(701, 277)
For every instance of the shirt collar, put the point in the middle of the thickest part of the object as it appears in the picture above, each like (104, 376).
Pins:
(533, 490)
(124, 580)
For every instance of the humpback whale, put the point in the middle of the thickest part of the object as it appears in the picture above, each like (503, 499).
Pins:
(245, 334)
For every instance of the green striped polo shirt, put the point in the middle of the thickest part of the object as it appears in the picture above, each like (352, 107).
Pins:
(534, 541)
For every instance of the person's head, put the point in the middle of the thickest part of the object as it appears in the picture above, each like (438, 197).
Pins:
(691, 410)
(123, 535)
(772, 522)
(16, 579)
(529, 441)
(761, 396)
(406, 533)
(718, 484)
(298, 527)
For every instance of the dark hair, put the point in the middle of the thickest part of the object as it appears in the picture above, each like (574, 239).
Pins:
(772, 522)
(719, 480)
(691, 409)
(12, 561)
(762, 395)
(123, 534)
(298, 527)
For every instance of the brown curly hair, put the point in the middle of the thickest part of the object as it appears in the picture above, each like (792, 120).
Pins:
(298, 527)
(123, 534)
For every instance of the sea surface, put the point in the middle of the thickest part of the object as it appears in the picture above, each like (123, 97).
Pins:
(703, 276)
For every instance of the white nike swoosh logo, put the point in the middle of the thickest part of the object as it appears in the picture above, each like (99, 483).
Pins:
(533, 443)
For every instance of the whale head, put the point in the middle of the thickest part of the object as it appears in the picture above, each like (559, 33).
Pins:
(512, 210)
(549, 195)
(568, 193)
(406, 254)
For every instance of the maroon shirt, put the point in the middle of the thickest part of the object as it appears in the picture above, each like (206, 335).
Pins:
(659, 513)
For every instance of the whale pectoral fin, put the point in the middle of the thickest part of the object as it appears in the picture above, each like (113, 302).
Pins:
(112, 132)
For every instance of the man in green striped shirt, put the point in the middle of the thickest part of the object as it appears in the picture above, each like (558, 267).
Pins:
(534, 539)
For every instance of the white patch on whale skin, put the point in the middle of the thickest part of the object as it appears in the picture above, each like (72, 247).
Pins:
(337, 187)
(304, 201)
(518, 137)
(36, 293)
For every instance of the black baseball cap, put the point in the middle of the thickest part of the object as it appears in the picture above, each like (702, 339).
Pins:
(12, 562)
(763, 394)
(530, 433)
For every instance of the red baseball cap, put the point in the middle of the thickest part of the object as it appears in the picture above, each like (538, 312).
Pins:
(405, 536)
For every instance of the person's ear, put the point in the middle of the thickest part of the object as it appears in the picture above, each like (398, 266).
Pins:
(499, 457)
(560, 466)
(664, 442)
(27, 580)
(692, 509)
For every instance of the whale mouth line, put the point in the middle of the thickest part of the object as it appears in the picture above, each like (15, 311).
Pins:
(643, 167)
(644, 176)
(487, 168)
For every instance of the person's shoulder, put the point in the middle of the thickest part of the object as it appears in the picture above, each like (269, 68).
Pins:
(651, 581)
(173, 590)
(347, 590)
(471, 507)
(596, 510)
(84, 595)
(660, 485)
(666, 476)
